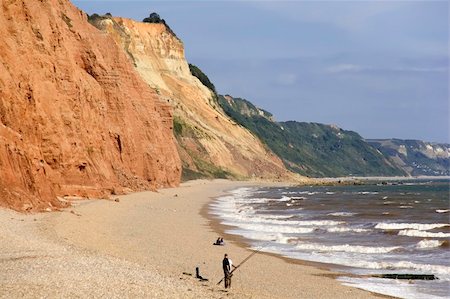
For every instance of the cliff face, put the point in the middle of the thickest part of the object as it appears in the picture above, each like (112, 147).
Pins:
(209, 142)
(75, 117)
(416, 157)
(311, 149)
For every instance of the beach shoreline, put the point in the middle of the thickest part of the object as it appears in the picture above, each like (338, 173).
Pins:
(332, 270)
(141, 244)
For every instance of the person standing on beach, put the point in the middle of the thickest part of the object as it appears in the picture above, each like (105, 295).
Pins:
(226, 265)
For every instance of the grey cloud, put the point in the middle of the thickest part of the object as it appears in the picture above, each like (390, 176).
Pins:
(344, 68)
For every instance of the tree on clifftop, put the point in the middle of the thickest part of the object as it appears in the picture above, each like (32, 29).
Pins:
(154, 18)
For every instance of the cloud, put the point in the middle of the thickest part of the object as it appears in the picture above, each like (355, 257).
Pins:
(347, 68)
(350, 16)
(343, 68)
(286, 79)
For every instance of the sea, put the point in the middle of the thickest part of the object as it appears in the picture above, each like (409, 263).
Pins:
(364, 230)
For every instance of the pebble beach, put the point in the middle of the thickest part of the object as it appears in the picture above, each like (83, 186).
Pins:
(146, 245)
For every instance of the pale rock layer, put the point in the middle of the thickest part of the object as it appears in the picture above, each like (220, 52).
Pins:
(210, 140)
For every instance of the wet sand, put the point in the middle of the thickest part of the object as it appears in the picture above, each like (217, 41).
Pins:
(140, 247)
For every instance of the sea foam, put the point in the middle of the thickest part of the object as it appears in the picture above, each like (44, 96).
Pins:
(346, 248)
(338, 229)
(341, 214)
(422, 234)
(418, 226)
(394, 288)
(429, 244)
(263, 236)
(275, 228)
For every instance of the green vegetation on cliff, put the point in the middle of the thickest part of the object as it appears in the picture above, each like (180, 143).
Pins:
(200, 75)
(197, 72)
(310, 149)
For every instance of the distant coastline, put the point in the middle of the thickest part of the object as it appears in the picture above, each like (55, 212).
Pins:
(384, 178)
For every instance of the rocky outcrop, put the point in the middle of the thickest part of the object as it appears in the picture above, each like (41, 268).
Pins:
(75, 117)
(416, 157)
(245, 108)
(209, 142)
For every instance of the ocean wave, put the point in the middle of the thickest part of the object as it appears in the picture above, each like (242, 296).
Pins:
(275, 228)
(389, 287)
(242, 198)
(422, 234)
(298, 198)
(246, 218)
(262, 236)
(406, 207)
(429, 244)
(347, 229)
(262, 220)
(342, 214)
(243, 191)
(247, 200)
(346, 248)
(418, 226)
(320, 222)
(283, 198)
(425, 268)
(269, 216)
(442, 211)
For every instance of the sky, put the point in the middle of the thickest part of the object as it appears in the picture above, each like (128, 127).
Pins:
(380, 68)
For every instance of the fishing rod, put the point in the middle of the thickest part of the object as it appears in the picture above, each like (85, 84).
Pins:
(246, 259)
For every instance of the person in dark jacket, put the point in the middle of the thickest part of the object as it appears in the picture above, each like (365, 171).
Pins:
(226, 265)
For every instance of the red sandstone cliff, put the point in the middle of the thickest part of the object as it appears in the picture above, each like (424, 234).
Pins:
(75, 117)
(209, 142)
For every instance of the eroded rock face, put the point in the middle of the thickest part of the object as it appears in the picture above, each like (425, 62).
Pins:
(75, 117)
(209, 142)
(416, 157)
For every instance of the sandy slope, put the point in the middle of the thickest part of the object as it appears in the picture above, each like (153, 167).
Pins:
(140, 247)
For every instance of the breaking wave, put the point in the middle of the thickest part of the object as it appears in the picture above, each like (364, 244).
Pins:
(276, 228)
(418, 226)
(328, 228)
(342, 214)
(347, 229)
(263, 236)
(425, 268)
(429, 244)
(422, 234)
(406, 207)
(346, 248)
